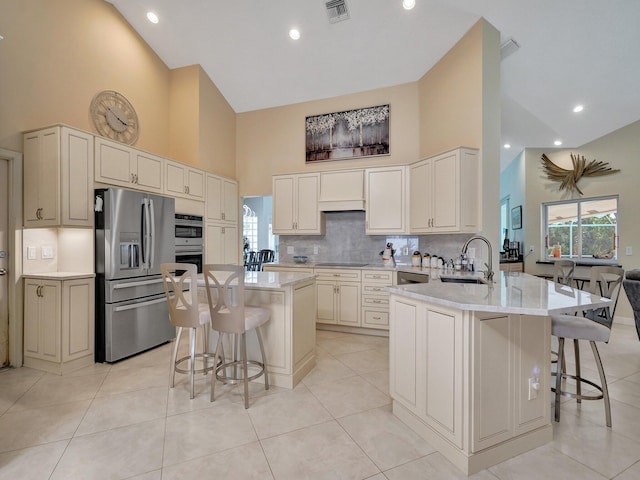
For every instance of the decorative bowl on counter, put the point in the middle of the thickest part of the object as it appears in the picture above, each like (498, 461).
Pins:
(300, 259)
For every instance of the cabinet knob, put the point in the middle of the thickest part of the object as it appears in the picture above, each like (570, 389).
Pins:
(3, 271)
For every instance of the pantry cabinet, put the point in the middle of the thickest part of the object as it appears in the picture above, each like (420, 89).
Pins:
(295, 205)
(124, 166)
(222, 200)
(338, 296)
(445, 193)
(58, 323)
(58, 178)
(386, 200)
(184, 181)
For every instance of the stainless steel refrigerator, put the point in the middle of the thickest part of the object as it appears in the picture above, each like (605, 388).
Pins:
(134, 235)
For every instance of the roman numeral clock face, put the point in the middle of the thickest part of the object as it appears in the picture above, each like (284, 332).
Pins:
(114, 117)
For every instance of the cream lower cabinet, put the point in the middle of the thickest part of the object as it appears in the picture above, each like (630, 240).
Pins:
(375, 299)
(124, 166)
(461, 380)
(58, 178)
(58, 323)
(338, 296)
(445, 193)
(221, 243)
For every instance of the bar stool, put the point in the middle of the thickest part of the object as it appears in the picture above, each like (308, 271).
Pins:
(186, 312)
(229, 315)
(593, 326)
(563, 271)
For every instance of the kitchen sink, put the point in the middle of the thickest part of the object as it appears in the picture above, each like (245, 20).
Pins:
(341, 264)
(475, 280)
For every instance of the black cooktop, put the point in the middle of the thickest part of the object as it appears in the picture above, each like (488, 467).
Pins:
(341, 264)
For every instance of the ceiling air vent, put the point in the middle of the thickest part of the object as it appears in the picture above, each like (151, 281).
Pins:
(508, 47)
(337, 10)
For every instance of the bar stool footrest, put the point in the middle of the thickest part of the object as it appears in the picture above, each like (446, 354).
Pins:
(199, 370)
(581, 396)
(231, 380)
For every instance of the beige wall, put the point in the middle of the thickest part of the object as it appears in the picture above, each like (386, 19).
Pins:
(184, 121)
(621, 149)
(272, 140)
(56, 55)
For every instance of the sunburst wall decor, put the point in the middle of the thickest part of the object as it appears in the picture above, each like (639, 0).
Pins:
(569, 178)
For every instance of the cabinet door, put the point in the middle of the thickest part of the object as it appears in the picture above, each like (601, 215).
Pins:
(404, 342)
(42, 320)
(386, 203)
(42, 178)
(283, 204)
(175, 179)
(214, 244)
(195, 184)
(148, 172)
(114, 163)
(349, 304)
(214, 188)
(325, 302)
(307, 214)
(230, 201)
(31, 318)
(421, 191)
(77, 178)
(446, 192)
(77, 319)
(230, 241)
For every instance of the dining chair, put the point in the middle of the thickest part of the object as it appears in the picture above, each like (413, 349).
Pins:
(229, 315)
(564, 271)
(592, 326)
(186, 312)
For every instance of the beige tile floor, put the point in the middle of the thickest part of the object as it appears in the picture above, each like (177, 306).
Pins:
(123, 422)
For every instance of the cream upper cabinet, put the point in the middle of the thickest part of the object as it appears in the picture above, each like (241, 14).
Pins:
(222, 199)
(445, 193)
(58, 178)
(119, 164)
(341, 190)
(184, 181)
(295, 205)
(386, 202)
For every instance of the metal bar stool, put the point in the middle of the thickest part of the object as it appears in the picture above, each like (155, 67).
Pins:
(593, 326)
(186, 312)
(225, 292)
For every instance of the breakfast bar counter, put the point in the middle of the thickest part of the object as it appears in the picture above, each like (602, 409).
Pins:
(470, 363)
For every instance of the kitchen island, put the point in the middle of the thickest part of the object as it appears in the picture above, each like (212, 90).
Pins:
(470, 363)
(290, 334)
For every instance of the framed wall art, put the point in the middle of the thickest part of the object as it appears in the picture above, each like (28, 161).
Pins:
(363, 132)
(516, 217)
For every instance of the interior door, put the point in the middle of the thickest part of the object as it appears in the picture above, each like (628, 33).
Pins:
(4, 264)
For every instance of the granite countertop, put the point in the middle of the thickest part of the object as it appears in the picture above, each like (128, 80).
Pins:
(58, 275)
(517, 293)
(269, 280)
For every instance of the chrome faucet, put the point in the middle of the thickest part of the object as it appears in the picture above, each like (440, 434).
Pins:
(488, 274)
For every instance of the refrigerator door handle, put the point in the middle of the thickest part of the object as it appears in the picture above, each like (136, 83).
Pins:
(152, 237)
(139, 305)
(147, 220)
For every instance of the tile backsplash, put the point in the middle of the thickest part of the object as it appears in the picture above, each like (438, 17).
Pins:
(345, 241)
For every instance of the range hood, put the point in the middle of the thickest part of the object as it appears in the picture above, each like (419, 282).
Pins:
(341, 191)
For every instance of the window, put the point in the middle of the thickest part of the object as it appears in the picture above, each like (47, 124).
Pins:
(250, 229)
(585, 229)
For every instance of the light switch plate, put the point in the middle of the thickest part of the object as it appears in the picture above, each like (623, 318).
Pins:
(291, 250)
(47, 252)
(31, 253)
(629, 251)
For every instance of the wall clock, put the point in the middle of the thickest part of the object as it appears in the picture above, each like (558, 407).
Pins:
(114, 117)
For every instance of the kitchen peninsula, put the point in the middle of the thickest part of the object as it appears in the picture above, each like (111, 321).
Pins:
(470, 364)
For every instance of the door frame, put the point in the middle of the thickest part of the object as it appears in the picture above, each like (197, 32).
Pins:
(14, 238)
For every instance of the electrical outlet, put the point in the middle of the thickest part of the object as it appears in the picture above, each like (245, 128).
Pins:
(31, 253)
(471, 252)
(291, 250)
(47, 252)
(315, 249)
(531, 249)
(534, 386)
(405, 251)
(628, 251)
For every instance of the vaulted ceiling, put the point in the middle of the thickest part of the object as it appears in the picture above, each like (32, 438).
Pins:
(571, 52)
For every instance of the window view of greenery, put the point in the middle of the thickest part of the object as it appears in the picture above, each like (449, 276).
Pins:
(582, 229)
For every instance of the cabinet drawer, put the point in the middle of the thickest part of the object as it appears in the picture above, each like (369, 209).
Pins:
(368, 289)
(375, 301)
(377, 276)
(335, 274)
(375, 318)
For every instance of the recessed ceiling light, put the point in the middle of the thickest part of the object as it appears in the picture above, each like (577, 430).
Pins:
(408, 4)
(507, 145)
(557, 143)
(578, 109)
(1, 37)
(294, 33)
(152, 17)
